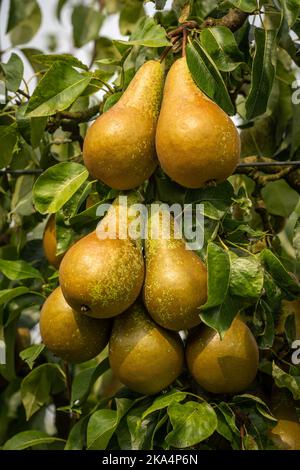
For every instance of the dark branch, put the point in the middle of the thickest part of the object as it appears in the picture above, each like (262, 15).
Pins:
(233, 20)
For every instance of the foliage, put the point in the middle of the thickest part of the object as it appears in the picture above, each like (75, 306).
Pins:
(252, 226)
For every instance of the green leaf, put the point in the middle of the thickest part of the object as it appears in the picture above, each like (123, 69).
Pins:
(49, 59)
(103, 424)
(192, 423)
(57, 90)
(164, 401)
(279, 198)
(8, 140)
(76, 437)
(247, 277)
(220, 196)
(221, 316)
(7, 295)
(218, 267)
(291, 10)
(57, 185)
(147, 33)
(263, 322)
(17, 270)
(84, 381)
(284, 279)
(13, 71)
(129, 14)
(245, 5)
(24, 20)
(263, 72)
(221, 45)
(38, 386)
(31, 129)
(86, 23)
(30, 355)
(207, 76)
(25, 439)
(285, 380)
(111, 101)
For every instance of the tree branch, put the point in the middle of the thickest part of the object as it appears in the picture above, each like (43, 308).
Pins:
(233, 20)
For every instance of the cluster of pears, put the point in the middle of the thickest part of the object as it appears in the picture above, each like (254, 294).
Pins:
(194, 139)
(111, 290)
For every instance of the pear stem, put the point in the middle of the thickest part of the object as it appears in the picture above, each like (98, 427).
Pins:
(165, 53)
(184, 41)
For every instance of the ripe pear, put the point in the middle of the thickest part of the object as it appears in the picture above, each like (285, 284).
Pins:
(176, 279)
(143, 356)
(223, 366)
(196, 141)
(119, 148)
(102, 277)
(286, 435)
(70, 335)
(50, 243)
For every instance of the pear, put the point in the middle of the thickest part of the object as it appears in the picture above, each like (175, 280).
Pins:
(70, 335)
(176, 278)
(196, 141)
(102, 277)
(286, 435)
(119, 148)
(223, 366)
(143, 356)
(50, 243)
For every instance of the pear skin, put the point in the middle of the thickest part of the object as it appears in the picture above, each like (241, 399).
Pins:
(103, 273)
(143, 356)
(222, 366)
(176, 280)
(119, 148)
(102, 278)
(196, 141)
(70, 335)
(50, 243)
(286, 435)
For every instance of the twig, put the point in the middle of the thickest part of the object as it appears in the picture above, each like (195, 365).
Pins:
(23, 93)
(184, 40)
(233, 20)
(165, 53)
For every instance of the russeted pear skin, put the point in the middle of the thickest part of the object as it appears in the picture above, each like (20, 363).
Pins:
(143, 356)
(196, 141)
(50, 243)
(223, 366)
(119, 148)
(286, 435)
(72, 336)
(176, 279)
(102, 278)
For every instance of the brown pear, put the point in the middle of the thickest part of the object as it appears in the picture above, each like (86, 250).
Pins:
(143, 356)
(119, 148)
(70, 335)
(102, 277)
(176, 278)
(196, 141)
(223, 366)
(50, 243)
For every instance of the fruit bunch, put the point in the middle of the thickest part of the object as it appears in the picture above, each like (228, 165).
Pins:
(138, 298)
